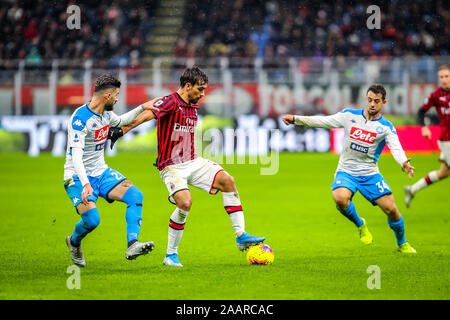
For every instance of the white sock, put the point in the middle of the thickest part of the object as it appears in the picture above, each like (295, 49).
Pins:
(176, 228)
(232, 205)
(425, 182)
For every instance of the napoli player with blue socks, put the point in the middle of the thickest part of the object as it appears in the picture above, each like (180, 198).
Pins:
(86, 175)
(366, 134)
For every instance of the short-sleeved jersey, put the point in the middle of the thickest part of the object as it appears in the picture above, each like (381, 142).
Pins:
(88, 130)
(176, 121)
(364, 140)
(440, 99)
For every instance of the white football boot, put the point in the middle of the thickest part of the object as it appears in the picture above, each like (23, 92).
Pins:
(139, 248)
(75, 253)
(408, 195)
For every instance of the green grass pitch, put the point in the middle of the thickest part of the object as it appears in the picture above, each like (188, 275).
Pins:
(317, 251)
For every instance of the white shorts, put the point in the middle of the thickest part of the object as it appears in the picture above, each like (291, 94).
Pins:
(445, 152)
(200, 173)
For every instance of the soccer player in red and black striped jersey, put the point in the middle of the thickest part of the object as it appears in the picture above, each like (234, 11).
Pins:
(179, 166)
(440, 99)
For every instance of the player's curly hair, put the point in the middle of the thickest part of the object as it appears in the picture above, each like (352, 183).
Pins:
(106, 81)
(194, 76)
(377, 88)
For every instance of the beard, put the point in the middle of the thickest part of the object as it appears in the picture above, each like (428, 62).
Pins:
(109, 106)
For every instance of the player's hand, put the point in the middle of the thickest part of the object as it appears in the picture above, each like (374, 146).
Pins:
(87, 191)
(149, 104)
(408, 168)
(114, 133)
(288, 119)
(426, 132)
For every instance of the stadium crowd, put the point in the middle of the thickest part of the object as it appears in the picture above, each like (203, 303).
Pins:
(115, 32)
(112, 32)
(301, 28)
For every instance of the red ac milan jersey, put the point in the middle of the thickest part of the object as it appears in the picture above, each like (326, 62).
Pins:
(441, 100)
(176, 121)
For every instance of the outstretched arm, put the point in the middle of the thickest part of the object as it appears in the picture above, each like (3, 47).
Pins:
(145, 116)
(333, 121)
(132, 119)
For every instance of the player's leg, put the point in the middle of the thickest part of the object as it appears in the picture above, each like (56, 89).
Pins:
(430, 178)
(175, 179)
(90, 217)
(433, 176)
(224, 182)
(342, 196)
(395, 221)
(126, 192)
(183, 202)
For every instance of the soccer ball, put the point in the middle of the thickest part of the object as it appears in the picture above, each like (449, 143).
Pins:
(260, 254)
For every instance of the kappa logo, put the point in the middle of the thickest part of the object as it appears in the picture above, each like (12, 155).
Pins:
(75, 200)
(362, 135)
(77, 123)
(101, 134)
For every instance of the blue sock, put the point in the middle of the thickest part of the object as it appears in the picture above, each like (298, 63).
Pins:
(133, 198)
(351, 214)
(399, 230)
(89, 221)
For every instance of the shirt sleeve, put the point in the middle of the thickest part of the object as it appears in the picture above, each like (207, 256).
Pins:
(333, 121)
(165, 106)
(126, 118)
(429, 102)
(76, 132)
(396, 148)
(80, 170)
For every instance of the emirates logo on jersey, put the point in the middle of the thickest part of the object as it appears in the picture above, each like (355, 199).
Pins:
(101, 134)
(362, 135)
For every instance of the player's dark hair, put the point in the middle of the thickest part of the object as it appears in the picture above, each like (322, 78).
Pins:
(377, 88)
(106, 81)
(194, 76)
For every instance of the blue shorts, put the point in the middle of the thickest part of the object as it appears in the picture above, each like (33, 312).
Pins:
(371, 187)
(101, 185)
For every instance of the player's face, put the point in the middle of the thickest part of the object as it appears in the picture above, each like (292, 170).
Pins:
(111, 99)
(375, 102)
(444, 78)
(195, 92)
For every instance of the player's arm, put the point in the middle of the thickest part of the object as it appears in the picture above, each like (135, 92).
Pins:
(127, 118)
(398, 153)
(427, 105)
(144, 112)
(333, 121)
(77, 132)
(80, 170)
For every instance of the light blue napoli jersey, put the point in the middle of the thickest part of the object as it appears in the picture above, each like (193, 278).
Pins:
(364, 139)
(88, 130)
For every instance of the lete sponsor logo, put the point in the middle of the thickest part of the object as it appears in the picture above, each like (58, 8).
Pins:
(101, 134)
(362, 135)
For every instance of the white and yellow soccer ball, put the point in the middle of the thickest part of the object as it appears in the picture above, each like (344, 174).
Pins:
(260, 254)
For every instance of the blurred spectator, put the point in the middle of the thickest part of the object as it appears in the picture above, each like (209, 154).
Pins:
(36, 30)
(303, 28)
